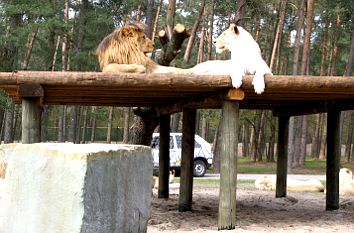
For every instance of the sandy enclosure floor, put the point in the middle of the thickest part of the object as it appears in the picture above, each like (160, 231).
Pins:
(257, 211)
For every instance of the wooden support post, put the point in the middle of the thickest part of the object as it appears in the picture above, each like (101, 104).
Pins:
(186, 182)
(164, 156)
(228, 171)
(333, 159)
(31, 120)
(282, 161)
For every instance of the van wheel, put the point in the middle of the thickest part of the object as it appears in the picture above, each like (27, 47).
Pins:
(199, 168)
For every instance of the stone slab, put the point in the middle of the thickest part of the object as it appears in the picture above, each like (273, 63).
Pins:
(65, 187)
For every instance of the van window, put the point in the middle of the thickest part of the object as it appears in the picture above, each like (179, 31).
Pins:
(171, 142)
(156, 140)
(196, 144)
(179, 142)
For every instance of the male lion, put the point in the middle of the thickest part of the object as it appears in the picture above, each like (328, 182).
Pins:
(245, 56)
(125, 50)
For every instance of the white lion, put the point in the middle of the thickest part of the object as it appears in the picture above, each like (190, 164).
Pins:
(269, 183)
(245, 57)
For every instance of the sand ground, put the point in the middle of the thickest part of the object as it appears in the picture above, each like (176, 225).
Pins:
(257, 211)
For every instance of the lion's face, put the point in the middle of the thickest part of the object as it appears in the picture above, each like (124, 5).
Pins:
(145, 43)
(136, 36)
(223, 41)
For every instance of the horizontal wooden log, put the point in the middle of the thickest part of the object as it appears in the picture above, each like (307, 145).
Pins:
(278, 83)
(286, 95)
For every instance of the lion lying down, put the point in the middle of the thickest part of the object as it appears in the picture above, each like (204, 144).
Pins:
(346, 182)
(125, 50)
(269, 183)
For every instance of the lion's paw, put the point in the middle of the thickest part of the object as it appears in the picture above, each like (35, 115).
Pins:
(236, 80)
(258, 83)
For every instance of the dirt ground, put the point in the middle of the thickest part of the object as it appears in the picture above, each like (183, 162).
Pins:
(257, 211)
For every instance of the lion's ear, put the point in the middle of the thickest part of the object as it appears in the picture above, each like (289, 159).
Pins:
(127, 32)
(234, 28)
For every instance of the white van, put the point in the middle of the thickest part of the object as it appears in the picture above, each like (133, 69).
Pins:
(203, 157)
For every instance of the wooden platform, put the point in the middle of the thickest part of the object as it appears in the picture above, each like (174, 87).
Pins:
(289, 95)
(285, 95)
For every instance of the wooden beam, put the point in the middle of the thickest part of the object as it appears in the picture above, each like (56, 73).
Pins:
(31, 120)
(186, 182)
(213, 100)
(147, 81)
(282, 161)
(164, 156)
(306, 84)
(333, 159)
(228, 171)
(314, 107)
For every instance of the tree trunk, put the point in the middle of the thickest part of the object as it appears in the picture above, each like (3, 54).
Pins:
(245, 139)
(171, 47)
(349, 68)
(349, 141)
(278, 31)
(200, 58)
(333, 68)
(109, 125)
(271, 151)
(316, 135)
(126, 113)
(31, 40)
(307, 37)
(323, 138)
(149, 17)
(170, 17)
(93, 124)
(217, 149)
(73, 122)
(211, 29)
(240, 12)
(260, 137)
(194, 32)
(204, 128)
(84, 125)
(291, 146)
(324, 46)
(144, 126)
(300, 23)
(9, 120)
(156, 21)
(78, 125)
(303, 142)
(255, 136)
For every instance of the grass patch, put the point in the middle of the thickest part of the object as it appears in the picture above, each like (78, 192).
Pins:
(311, 167)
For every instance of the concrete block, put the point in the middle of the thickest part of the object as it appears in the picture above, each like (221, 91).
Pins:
(64, 188)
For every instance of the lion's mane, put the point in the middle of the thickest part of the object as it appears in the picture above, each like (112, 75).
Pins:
(124, 46)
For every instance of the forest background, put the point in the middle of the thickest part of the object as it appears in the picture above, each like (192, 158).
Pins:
(305, 37)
